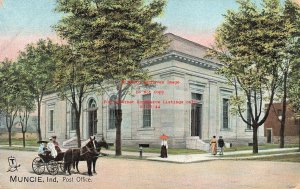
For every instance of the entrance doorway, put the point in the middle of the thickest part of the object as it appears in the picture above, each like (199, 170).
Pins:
(92, 117)
(196, 114)
(269, 135)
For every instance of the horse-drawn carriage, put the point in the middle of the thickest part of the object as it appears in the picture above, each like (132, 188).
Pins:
(47, 161)
(63, 161)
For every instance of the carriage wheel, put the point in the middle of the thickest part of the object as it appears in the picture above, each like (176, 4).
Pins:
(52, 167)
(61, 166)
(38, 165)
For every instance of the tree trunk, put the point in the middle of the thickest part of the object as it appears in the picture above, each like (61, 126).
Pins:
(255, 142)
(23, 138)
(118, 132)
(9, 137)
(78, 129)
(299, 132)
(39, 121)
(118, 114)
(283, 116)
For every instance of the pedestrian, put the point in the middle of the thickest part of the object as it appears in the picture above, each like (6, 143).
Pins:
(221, 144)
(164, 146)
(213, 145)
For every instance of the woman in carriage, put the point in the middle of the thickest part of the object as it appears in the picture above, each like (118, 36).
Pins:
(51, 148)
(43, 151)
(49, 152)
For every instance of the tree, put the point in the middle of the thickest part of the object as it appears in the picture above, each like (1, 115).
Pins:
(10, 97)
(118, 35)
(73, 81)
(27, 104)
(251, 43)
(294, 92)
(39, 65)
(291, 15)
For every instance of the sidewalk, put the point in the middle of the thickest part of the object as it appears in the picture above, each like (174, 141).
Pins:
(190, 158)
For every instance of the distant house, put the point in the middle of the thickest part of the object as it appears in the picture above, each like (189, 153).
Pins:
(272, 126)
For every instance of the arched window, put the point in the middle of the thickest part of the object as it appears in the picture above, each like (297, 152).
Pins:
(112, 110)
(92, 104)
(92, 117)
(73, 120)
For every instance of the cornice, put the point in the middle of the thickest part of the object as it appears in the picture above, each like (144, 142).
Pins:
(182, 57)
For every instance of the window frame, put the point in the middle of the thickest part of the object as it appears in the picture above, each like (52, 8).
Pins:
(147, 112)
(51, 120)
(225, 113)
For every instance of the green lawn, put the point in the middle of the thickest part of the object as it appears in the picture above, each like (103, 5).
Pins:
(20, 148)
(259, 153)
(28, 142)
(283, 158)
(261, 147)
(157, 150)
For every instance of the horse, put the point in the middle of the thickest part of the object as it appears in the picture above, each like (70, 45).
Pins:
(99, 144)
(75, 154)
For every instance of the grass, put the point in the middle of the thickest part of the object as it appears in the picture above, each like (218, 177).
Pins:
(283, 158)
(173, 151)
(260, 153)
(19, 148)
(176, 151)
(260, 147)
(28, 142)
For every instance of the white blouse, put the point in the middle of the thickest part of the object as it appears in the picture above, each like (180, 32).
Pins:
(164, 143)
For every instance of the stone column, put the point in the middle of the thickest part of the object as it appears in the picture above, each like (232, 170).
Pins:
(213, 109)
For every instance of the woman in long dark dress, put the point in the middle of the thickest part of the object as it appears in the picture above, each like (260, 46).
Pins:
(164, 149)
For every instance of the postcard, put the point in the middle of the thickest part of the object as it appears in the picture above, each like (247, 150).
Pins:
(149, 94)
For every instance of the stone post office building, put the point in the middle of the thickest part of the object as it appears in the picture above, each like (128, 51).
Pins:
(190, 105)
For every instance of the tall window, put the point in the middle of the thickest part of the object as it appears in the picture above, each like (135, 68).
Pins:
(225, 113)
(249, 120)
(147, 111)
(51, 112)
(112, 110)
(92, 117)
(197, 96)
(196, 113)
(73, 120)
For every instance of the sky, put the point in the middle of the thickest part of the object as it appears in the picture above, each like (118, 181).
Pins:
(26, 21)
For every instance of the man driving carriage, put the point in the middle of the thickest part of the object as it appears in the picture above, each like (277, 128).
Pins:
(56, 145)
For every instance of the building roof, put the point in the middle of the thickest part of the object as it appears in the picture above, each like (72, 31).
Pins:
(187, 51)
(186, 46)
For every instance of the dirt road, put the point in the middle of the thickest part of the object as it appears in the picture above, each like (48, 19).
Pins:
(137, 174)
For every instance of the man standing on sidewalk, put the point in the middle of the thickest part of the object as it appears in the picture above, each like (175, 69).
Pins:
(221, 144)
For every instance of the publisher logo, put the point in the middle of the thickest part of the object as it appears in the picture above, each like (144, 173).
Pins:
(13, 166)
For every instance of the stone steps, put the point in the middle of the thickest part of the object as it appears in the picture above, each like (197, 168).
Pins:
(195, 143)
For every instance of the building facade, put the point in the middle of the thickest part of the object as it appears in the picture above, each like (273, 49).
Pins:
(189, 103)
(272, 126)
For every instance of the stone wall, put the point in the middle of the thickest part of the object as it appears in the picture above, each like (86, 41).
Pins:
(287, 139)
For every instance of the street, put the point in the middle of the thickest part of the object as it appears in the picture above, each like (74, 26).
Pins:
(128, 173)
